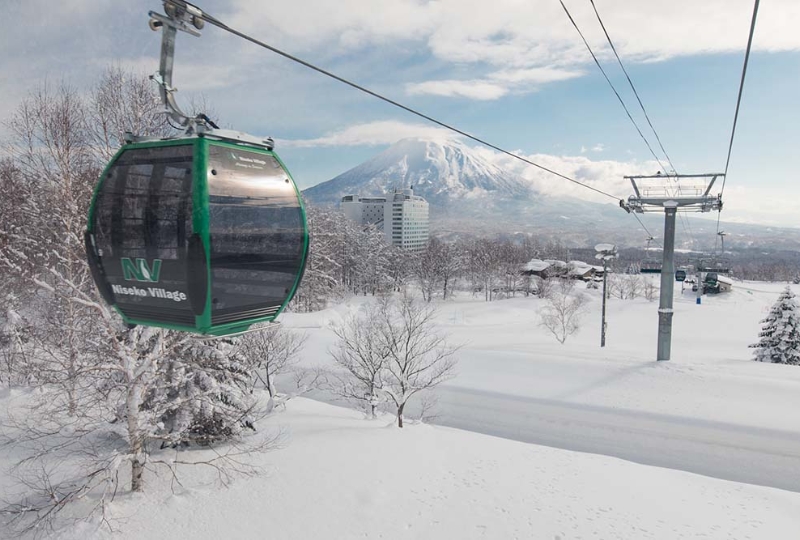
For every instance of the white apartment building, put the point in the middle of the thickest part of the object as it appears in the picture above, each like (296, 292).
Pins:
(364, 210)
(403, 216)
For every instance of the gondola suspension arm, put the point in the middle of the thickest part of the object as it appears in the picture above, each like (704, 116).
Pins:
(186, 18)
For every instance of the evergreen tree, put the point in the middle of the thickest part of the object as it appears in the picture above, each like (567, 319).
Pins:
(202, 397)
(780, 336)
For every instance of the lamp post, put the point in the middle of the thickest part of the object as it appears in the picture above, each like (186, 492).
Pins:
(605, 252)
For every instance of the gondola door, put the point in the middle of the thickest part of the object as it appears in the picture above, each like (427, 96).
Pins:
(257, 235)
(140, 229)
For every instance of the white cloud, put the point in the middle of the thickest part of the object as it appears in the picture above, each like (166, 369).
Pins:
(599, 147)
(523, 35)
(496, 84)
(476, 89)
(539, 75)
(742, 204)
(372, 134)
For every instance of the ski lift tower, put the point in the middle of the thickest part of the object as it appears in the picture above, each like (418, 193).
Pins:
(671, 194)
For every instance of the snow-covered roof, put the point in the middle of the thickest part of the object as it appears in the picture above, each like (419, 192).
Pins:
(724, 279)
(580, 270)
(536, 265)
(560, 264)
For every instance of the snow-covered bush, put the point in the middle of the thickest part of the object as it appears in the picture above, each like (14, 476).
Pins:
(780, 335)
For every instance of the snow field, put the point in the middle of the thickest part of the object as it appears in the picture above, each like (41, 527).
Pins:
(342, 477)
(711, 375)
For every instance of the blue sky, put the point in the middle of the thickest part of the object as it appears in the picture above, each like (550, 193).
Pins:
(512, 71)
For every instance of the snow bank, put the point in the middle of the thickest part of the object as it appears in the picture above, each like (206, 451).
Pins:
(343, 477)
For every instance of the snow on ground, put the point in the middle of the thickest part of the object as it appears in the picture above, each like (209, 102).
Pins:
(711, 375)
(342, 477)
(710, 410)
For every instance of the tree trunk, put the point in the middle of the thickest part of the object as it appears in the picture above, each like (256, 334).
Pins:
(134, 435)
(270, 385)
(400, 415)
(137, 468)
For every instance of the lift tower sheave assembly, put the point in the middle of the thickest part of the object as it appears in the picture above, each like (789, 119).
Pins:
(671, 194)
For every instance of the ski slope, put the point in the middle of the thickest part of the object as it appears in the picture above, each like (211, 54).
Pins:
(342, 477)
(710, 410)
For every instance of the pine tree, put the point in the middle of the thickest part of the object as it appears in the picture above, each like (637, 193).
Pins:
(203, 397)
(780, 336)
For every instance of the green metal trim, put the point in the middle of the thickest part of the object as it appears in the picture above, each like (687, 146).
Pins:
(235, 327)
(166, 326)
(200, 222)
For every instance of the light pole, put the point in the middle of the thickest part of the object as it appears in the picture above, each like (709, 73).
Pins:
(605, 252)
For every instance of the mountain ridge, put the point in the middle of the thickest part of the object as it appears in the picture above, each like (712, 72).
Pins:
(469, 194)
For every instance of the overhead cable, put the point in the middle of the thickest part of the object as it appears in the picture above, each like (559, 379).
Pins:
(211, 20)
(605, 75)
(738, 104)
(630, 82)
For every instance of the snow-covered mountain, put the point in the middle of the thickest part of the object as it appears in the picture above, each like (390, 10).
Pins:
(469, 194)
(442, 172)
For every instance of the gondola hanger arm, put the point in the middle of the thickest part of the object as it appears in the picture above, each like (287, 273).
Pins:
(186, 18)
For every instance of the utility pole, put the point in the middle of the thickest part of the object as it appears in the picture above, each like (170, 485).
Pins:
(672, 196)
(605, 252)
(699, 284)
(722, 235)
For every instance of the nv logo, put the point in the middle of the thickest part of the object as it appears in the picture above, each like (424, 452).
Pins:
(140, 271)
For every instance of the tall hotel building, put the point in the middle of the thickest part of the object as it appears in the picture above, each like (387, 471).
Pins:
(403, 217)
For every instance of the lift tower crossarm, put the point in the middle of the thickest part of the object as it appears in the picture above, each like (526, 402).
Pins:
(677, 176)
(670, 201)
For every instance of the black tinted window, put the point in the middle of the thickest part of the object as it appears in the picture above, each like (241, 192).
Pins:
(256, 229)
(143, 219)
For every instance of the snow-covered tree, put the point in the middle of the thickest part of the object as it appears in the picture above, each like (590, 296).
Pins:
(391, 351)
(362, 352)
(435, 269)
(780, 336)
(562, 314)
(270, 351)
(482, 265)
(420, 358)
(200, 394)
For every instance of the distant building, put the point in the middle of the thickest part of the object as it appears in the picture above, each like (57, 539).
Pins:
(402, 215)
(364, 210)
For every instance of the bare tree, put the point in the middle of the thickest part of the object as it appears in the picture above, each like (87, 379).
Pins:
(419, 358)
(271, 351)
(562, 315)
(391, 349)
(121, 102)
(544, 287)
(362, 352)
(633, 286)
(649, 290)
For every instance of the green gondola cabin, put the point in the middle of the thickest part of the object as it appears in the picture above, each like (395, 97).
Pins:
(201, 233)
